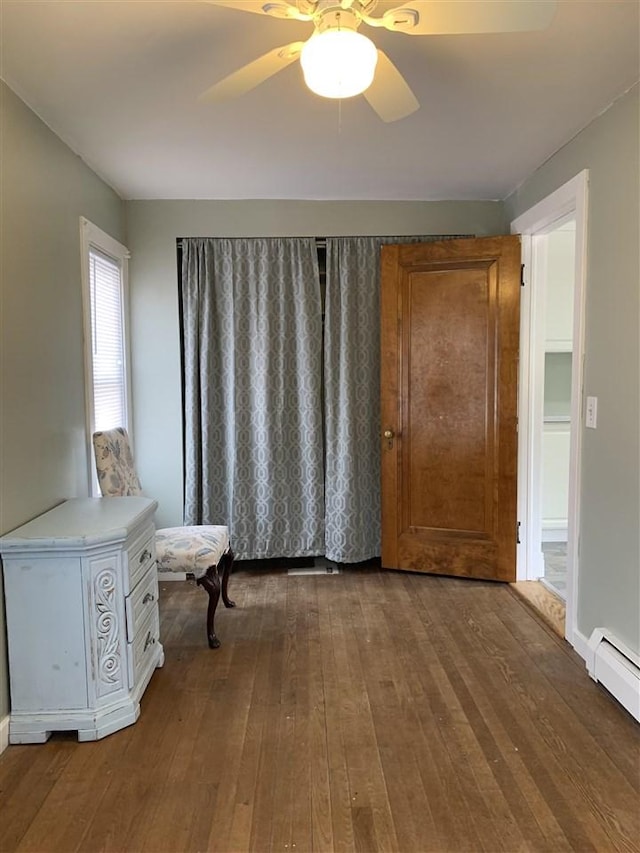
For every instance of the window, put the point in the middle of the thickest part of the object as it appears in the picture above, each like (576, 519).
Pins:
(104, 285)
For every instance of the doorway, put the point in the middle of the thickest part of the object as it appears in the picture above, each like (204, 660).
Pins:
(559, 285)
(550, 397)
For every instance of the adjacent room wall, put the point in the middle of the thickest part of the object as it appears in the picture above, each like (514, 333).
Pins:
(45, 189)
(609, 576)
(153, 227)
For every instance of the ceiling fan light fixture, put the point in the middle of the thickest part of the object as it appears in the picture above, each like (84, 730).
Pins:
(338, 63)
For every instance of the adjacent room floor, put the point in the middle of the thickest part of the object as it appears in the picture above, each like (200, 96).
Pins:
(365, 710)
(555, 567)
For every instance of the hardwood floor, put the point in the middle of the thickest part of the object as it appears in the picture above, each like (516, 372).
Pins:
(362, 711)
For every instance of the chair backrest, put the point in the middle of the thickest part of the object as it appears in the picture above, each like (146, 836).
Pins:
(114, 463)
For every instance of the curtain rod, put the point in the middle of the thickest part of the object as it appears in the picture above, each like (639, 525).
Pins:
(322, 241)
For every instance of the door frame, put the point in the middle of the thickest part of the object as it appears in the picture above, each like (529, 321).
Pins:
(571, 199)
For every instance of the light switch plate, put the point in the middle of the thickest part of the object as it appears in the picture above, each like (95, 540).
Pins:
(591, 413)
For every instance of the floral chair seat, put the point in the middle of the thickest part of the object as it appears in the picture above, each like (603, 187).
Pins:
(191, 549)
(199, 550)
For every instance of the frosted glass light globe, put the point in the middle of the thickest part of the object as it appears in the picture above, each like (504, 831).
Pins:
(338, 63)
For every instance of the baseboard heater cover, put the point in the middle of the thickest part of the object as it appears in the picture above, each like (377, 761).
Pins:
(616, 667)
(315, 570)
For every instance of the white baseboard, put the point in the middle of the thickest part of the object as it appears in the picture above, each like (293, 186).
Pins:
(581, 645)
(171, 576)
(4, 733)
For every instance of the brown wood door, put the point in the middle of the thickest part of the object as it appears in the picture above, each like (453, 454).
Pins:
(450, 331)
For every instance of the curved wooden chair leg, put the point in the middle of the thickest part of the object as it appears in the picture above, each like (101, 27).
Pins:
(227, 566)
(211, 582)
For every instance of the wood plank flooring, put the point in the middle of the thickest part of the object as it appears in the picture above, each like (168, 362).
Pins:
(363, 711)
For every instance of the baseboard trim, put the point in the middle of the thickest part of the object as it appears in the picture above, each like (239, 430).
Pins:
(4, 733)
(171, 576)
(580, 644)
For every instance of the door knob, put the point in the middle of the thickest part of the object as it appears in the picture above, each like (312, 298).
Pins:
(389, 435)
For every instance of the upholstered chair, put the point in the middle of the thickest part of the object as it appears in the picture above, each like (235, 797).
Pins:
(203, 551)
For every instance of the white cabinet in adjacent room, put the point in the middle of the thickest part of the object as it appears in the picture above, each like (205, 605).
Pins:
(81, 595)
(555, 479)
(559, 289)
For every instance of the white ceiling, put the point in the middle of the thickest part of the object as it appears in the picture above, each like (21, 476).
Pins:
(119, 81)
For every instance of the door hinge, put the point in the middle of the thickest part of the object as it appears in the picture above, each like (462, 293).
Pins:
(521, 275)
(518, 534)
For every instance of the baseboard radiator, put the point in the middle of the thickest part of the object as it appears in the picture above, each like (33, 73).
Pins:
(616, 667)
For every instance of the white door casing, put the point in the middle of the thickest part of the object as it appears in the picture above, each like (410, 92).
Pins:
(569, 200)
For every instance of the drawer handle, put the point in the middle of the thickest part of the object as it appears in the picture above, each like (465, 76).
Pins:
(144, 556)
(148, 642)
(148, 597)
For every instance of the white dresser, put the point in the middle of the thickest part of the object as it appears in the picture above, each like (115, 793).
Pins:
(81, 596)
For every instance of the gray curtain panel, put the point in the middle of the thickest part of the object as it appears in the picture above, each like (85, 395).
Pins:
(352, 399)
(252, 331)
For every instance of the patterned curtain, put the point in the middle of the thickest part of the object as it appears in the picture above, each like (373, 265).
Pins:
(352, 396)
(352, 399)
(252, 334)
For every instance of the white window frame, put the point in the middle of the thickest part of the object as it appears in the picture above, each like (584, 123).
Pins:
(93, 237)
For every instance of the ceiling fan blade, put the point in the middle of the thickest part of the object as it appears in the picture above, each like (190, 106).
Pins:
(275, 8)
(251, 75)
(389, 94)
(443, 17)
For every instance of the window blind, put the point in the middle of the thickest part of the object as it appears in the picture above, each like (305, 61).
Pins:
(107, 341)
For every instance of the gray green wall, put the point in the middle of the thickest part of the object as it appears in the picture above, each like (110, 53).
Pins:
(45, 189)
(153, 227)
(609, 577)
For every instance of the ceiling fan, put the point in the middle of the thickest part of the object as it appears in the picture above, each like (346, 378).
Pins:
(339, 62)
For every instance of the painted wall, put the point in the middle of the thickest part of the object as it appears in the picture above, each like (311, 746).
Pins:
(609, 575)
(45, 189)
(153, 227)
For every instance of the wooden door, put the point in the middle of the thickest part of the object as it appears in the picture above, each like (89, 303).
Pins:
(450, 330)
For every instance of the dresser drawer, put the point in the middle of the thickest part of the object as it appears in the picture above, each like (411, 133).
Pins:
(141, 602)
(139, 556)
(143, 649)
